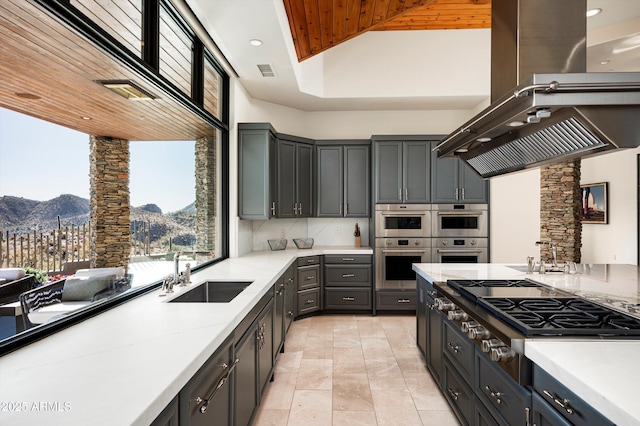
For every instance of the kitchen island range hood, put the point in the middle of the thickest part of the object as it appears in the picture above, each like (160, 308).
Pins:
(556, 112)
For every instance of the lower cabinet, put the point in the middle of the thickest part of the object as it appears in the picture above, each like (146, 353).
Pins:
(387, 300)
(308, 283)
(169, 416)
(458, 393)
(350, 299)
(543, 414)
(290, 299)
(348, 283)
(206, 399)
(246, 378)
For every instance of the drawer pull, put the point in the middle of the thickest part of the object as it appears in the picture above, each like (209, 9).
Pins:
(348, 275)
(432, 293)
(349, 299)
(220, 384)
(404, 300)
(495, 395)
(454, 395)
(309, 302)
(310, 277)
(311, 260)
(348, 259)
(455, 348)
(563, 403)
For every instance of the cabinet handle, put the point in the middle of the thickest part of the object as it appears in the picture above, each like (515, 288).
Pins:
(273, 208)
(346, 209)
(406, 193)
(221, 383)
(349, 299)
(309, 302)
(462, 190)
(455, 348)
(348, 259)
(432, 293)
(290, 313)
(340, 209)
(527, 416)
(563, 403)
(348, 275)
(311, 260)
(456, 193)
(290, 280)
(400, 194)
(495, 395)
(404, 300)
(310, 277)
(454, 395)
(299, 209)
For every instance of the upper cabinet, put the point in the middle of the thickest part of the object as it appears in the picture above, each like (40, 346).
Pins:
(295, 179)
(453, 181)
(256, 171)
(275, 174)
(343, 180)
(402, 172)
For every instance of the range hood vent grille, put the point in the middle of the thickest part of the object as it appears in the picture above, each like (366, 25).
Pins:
(567, 137)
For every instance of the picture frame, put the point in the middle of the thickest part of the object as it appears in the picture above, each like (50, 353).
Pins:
(595, 205)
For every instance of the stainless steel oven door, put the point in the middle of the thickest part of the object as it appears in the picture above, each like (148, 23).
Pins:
(403, 220)
(394, 260)
(460, 250)
(460, 220)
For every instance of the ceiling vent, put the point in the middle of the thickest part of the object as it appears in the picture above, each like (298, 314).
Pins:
(127, 89)
(266, 70)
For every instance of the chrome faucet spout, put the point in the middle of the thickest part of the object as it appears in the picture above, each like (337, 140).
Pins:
(176, 266)
(554, 251)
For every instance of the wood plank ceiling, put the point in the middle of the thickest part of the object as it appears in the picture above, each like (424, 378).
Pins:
(49, 72)
(317, 25)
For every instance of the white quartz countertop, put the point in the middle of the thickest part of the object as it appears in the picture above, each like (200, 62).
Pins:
(604, 373)
(124, 366)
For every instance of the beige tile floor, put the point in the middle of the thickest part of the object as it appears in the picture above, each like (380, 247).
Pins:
(353, 370)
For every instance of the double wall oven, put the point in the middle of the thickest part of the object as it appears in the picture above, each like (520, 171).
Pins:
(403, 234)
(460, 233)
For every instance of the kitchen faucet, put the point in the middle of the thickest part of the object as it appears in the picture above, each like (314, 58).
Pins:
(178, 278)
(554, 252)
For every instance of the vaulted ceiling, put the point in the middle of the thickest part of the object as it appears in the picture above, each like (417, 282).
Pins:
(317, 25)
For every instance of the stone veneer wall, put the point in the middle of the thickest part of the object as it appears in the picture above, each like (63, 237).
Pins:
(109, 204)
(560, 211)
(206, 200)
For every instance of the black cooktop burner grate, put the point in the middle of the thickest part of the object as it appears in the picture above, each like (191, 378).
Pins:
(561, 316)
(492, 283)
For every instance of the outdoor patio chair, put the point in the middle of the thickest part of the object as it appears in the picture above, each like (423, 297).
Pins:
(13, 282)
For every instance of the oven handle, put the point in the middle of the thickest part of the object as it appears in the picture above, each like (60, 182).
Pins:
(403, 251)
(460, 213)
(460, 250)
(409, 213)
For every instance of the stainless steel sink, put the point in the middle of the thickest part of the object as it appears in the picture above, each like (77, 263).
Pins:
(213, 292)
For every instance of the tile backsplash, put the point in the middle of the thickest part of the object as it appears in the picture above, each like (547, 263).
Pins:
(324, 231)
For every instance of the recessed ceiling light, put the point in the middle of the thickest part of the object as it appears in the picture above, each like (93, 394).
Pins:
(485, 139)
(85, 118)
(593, 12)
(255, 42)
(127, 89)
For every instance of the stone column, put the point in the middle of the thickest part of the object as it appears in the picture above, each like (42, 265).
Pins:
(560, 215)
(206, 199)
(109, 204)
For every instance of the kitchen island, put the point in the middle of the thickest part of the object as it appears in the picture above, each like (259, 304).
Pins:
(124, 366)
(603, 372)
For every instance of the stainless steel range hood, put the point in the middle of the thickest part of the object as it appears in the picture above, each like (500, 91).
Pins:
(556, 112)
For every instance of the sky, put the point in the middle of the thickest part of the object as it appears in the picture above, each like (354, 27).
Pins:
(41, 160)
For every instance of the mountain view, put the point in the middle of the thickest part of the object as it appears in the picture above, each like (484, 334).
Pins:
(21, 216)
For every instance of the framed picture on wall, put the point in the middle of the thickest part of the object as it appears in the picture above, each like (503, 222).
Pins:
(594, 203)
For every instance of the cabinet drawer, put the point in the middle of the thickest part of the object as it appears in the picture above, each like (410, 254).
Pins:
(508, 402)
(308, 301)
(568, 404)
(347, 276)
(347, 259)
(458, 394)
(396, 300)
(309, 260)
(347, 298)
(308, 277)
(459, 349)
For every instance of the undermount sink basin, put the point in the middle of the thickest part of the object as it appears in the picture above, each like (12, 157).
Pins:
(213, 292)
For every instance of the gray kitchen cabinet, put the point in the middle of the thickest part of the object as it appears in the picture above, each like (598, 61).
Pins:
(256, 171)
(348, 283)
(264, 336)
(290, 298)
(294, 179)
(308, 274)
(207, 398)
(343, 180)
(542, 414)
(279, 316)
(245, 396)
(402, 172)
(169, 416)
(453, 181)
(459, 394)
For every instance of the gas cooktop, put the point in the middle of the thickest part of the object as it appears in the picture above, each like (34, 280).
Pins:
(473, 289)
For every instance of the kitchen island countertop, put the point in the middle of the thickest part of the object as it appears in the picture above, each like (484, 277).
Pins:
(604, 373)
(124, 366)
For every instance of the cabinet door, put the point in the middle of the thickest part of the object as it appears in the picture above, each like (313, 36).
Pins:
(356, 181)
(290, 297)
(255, 167)
(286, 194)
(304, 180)
(544, 415)
(388, 166)
(474, 187)
(416, 160)
(421, 316)
(434, 343)
(278, 317)
(246, 378)
(330, 182)
(265, 346)
(444, 180)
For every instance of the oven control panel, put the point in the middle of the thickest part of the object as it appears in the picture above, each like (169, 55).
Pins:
(461, 242)
(406, 242)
